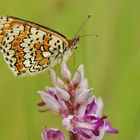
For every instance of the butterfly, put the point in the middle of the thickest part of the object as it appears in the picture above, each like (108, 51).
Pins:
(30, 48)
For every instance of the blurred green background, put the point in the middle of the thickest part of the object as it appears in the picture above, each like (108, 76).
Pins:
(112, 65)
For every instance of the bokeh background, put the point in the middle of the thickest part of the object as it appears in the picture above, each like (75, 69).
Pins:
(112, 65)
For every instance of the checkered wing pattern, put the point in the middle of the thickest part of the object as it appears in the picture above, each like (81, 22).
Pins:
(29, 48)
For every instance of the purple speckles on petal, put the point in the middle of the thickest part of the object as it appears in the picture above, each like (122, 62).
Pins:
(96, 132)
(100, 121)
(91, 107)
(81, 132)
(52, 134)
(89, 117)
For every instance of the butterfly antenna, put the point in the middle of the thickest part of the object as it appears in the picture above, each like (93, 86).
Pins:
(85, 21)
(89, 35)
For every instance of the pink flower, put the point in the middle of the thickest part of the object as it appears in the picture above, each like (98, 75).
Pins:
(74, 102)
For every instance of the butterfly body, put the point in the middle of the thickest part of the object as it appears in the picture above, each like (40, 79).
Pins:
(30, 48)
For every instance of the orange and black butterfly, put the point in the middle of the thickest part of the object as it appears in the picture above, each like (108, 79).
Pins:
(30, 48)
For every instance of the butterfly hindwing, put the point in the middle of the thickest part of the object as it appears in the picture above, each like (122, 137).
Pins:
(28, 47)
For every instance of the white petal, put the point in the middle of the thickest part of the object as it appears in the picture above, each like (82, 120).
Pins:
(66, 74)
(67, 123)
(82, 109)
(63, 93)
(50, 101)
(99, 103)
(84, 96)
(83, 86)
(79, 75)
(56, 80)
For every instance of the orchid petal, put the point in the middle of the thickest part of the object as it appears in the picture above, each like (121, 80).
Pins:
(55, 79)
(66, 74)
(99, 103)
(79, 75)
(63, 93)
(52, 134)
(50, 101)
(84, 96)
(109, 129)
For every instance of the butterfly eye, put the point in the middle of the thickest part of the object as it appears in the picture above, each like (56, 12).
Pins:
(74, 41)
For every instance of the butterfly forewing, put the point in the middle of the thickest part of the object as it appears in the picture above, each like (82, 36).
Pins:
(28, 47)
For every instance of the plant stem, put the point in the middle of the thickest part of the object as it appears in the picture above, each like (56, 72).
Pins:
(72, 136)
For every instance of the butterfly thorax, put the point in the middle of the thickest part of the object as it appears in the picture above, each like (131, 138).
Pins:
(74, 42)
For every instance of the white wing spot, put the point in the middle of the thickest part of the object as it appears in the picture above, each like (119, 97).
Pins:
(46, 54)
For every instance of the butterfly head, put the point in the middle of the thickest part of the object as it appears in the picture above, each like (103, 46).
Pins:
(74, 42)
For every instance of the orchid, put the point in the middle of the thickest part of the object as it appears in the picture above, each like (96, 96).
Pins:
(73, 100)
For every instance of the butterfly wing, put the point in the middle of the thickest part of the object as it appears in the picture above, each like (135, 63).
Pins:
(28, 47)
